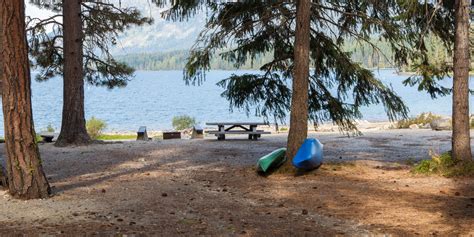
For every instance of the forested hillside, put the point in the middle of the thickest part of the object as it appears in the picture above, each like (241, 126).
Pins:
(361, 52)
(176, 60)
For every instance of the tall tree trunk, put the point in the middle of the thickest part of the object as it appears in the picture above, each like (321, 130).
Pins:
(73, 128)
(299, 101)
(461, 143)
(26, 178)
(3, 178)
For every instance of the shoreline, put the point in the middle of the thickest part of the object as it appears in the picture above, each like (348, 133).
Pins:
(363, 126)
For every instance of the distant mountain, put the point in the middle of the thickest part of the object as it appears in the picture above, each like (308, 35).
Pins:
(161, 36)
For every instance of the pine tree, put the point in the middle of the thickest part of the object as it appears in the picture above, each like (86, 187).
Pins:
(26, 179)
(71, 50)
(299, 100)
(238, 32)
(461, 143)
(73, 126)
(458, 29)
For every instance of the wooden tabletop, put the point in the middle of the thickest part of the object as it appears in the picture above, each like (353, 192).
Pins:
(237, 123)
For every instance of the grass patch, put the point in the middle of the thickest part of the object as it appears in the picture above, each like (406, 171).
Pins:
(38, 138)
(108, 137)
(444, 165)
(423, 119)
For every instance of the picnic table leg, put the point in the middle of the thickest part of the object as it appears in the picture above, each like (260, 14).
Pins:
(253, 128)
(221, 129)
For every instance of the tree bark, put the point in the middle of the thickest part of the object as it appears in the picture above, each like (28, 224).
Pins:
(26, 179)
(299, 100)
(2, 173)
(461, 144)
(73, 127)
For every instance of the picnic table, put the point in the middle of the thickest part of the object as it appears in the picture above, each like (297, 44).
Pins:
(249, 128)
(47, 137)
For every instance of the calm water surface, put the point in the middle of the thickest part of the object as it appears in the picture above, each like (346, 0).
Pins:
(153, 98)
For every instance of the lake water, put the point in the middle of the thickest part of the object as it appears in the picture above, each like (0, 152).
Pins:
(154, 98)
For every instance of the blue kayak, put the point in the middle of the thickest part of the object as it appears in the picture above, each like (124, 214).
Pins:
(310, 155)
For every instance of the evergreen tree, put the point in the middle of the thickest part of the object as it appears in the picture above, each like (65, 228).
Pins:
(299, 100)
(432, 72)
(338, 86)
(461, 142)
(26, 179)
(78, 49)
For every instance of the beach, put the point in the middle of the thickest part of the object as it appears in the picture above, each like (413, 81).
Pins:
(210, 187)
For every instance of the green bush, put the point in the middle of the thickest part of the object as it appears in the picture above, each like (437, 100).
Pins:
(423, 119)
(444, 165)
(472, 123)
(49, 128)
(183, 122)
(38, 138)
(95, 127)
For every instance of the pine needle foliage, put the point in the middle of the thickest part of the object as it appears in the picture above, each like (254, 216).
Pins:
(239, 32)
(102, 20)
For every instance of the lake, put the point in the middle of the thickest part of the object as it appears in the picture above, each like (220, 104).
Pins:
(153, 98)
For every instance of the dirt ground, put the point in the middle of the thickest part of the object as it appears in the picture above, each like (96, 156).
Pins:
(209, 187)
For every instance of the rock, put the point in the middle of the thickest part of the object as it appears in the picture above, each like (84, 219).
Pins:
(426, 126)
(441, 124)
(414, 126)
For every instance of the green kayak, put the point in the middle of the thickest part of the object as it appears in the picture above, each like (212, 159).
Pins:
(273, 160)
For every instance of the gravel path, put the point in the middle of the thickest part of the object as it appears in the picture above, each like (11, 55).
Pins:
(209, 187)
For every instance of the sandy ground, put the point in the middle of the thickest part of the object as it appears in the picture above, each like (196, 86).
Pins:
(209, 187)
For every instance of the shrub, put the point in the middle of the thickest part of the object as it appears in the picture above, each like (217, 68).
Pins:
(49, 128)
(38, 138)
(444, 165)
(95, 127)
(472, 122)
(423, 119)
(182, 122)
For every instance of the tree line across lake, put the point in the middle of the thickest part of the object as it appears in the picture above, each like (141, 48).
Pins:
(361, 52)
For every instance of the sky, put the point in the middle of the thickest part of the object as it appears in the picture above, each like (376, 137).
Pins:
(161, 36)
(34, 11)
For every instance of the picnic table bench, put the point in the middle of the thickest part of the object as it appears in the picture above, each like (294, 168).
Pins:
(47, 137)
(249, 128)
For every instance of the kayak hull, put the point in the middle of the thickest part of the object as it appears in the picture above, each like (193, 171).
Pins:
(310, 155)
(272, 160)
